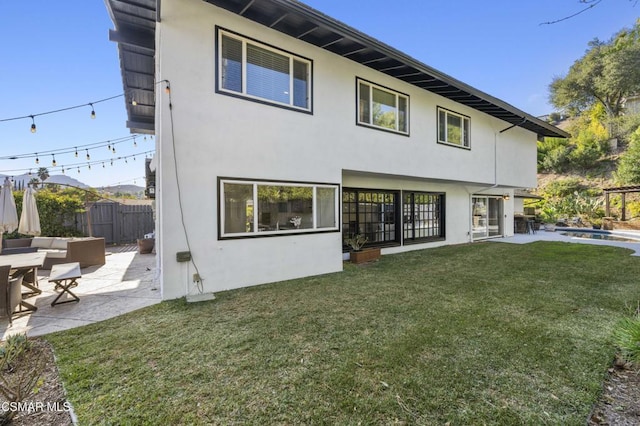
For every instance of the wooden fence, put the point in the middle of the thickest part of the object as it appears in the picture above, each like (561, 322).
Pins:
(117, 223)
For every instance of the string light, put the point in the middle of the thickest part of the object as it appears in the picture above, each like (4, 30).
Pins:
(88, 156)
(89, 166)
(37, 159)
(62, 169)
(103, 164)
(32, 116)
(76, 152)
(114, 150)
(168, 88)
(135, 144)
(78, 169)
(53, 163)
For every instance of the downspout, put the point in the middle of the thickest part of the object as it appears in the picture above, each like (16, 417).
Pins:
(495, 172)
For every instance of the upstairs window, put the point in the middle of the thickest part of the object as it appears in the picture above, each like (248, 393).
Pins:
(382, 108)
(453, 128)
(260, 72)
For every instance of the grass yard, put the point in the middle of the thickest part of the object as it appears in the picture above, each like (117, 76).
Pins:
(471, 334)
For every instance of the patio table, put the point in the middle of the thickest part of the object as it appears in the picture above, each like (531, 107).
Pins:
(25, 265)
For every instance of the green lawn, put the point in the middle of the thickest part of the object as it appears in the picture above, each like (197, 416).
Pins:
(471, 334)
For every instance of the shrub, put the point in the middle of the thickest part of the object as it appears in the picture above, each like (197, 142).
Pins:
(627, 338)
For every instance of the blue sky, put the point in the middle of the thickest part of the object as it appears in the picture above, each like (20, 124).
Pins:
(57, 54)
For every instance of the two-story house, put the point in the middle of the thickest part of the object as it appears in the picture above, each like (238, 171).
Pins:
(281, 131)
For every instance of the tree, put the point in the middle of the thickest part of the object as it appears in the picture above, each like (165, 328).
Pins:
(607, 74)
(34, 182)
(628, 172)
(43, 174)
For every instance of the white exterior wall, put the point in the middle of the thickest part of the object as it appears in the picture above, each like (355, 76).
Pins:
(215, 135)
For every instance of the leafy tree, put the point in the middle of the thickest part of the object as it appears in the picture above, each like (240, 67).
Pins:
(629, 165)
(607, 74)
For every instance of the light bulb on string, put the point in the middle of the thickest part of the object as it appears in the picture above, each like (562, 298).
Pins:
(93, 111)
(113, 149)
(167, 88)
(33, 124)
(103, 164)
(37, 159)
(29, 172)
(109, 146)
(88, 156)
(76, 152)
(112, 161)
(53, 163)
(89, 166)
(78, 169)
(135, 144)
(62, 169)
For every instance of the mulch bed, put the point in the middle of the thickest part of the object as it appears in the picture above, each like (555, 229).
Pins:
(620, 401)
(47, 405)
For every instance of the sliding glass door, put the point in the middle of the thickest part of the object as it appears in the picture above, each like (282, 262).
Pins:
(487, 215)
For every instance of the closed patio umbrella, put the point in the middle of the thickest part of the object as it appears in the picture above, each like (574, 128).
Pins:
(8, 213)
(29, 219)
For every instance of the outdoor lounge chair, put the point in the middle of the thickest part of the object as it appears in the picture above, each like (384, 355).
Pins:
(10, 293)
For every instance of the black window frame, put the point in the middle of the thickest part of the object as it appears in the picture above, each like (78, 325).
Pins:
(463, 117)
(218, 53)
(353, 227)
(409, 217)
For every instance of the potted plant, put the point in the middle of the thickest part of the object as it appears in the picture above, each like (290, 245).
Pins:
(357, 254)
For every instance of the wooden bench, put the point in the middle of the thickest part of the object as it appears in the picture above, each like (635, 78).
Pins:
(65, 276)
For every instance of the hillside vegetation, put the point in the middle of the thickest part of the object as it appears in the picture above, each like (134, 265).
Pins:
(599, 100)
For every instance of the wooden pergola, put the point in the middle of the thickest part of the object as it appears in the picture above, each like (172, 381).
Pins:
(623, 191)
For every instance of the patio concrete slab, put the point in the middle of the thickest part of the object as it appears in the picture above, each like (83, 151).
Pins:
(557, 236)
(124, 284)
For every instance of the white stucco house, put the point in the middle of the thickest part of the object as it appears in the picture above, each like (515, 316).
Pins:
(285, 131)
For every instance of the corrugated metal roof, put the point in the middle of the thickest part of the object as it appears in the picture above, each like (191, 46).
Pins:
(134, 20)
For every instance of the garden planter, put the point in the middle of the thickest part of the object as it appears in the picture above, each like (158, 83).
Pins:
(366, 255)
(145, 245)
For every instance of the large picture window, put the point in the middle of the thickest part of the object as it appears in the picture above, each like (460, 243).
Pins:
(453, 128)
(382, 108)
(372, 213)
(251, 208)
(257, 71)
(423, 216)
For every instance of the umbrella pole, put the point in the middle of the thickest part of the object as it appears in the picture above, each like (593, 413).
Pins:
(86, 202)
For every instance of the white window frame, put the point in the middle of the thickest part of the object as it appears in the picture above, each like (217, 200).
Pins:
(397, 95)
(243, 93)
(255, 232)
(466, 137)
